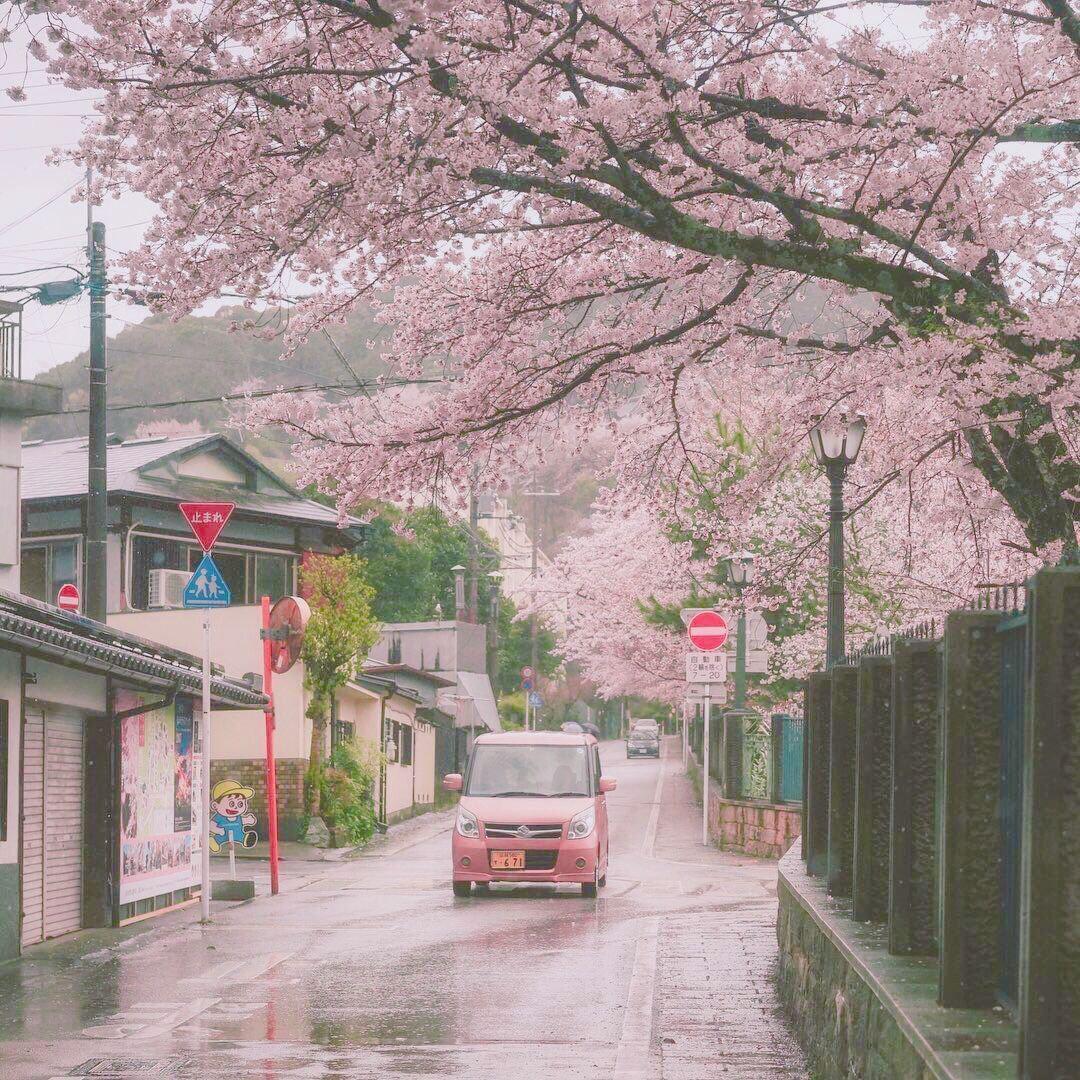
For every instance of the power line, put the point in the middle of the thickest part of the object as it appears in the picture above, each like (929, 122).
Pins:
(301, 389)
(48, 202)
(38, 270)
(60, 101)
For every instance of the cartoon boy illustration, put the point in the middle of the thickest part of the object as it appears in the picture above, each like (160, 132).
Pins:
(229, 815)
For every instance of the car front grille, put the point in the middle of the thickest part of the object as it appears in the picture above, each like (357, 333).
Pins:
(536, 832)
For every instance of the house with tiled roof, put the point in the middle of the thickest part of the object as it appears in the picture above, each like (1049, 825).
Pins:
(151, 555)
(151, 551)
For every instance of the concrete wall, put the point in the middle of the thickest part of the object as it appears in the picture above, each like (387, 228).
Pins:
(236, 646)
(436, 646)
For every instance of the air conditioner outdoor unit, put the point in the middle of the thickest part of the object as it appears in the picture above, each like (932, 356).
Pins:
(167, 588)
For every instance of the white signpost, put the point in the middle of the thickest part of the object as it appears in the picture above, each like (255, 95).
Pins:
(707, 630)
(206, 589)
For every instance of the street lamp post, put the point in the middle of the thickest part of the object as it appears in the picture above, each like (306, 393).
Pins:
(495, 578)
(836, 446)
(740, 570)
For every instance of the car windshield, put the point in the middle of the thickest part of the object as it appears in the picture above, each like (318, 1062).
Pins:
(642, 735)
(530, 769)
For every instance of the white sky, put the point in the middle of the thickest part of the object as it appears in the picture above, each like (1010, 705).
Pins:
(34, 235)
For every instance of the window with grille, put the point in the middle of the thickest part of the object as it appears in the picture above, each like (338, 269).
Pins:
(46, 566)
(405, 744)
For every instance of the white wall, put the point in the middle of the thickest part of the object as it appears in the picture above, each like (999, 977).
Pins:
(54, 684)
(424, 754)
(10, 462)
(399, 778)
(236, 646)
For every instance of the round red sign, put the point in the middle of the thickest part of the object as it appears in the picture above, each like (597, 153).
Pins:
(67, 599)
(708, 631)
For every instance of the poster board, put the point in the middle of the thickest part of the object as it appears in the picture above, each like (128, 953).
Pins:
(159, 797)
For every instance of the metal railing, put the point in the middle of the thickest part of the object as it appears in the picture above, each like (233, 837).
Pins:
(10, 340)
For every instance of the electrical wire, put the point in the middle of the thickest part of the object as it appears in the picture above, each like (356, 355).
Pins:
(61, 101)
(37, 210)
(301, 389)
(39, 270)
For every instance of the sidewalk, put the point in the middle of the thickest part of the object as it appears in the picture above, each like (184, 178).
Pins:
(719, 1011)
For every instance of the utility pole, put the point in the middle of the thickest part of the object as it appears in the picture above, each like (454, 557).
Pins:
(474, 557)
(97, 489)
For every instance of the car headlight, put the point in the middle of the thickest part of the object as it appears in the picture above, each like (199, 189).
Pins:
(582, 824)
(467, 824)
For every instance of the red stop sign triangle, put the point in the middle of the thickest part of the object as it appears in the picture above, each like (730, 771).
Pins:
(207, 519)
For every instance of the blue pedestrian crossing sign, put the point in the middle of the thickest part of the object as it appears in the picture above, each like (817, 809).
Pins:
(207, 588)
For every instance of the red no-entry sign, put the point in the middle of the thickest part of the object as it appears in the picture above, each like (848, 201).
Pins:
(207, 519)
(68, 599)
(708, 631)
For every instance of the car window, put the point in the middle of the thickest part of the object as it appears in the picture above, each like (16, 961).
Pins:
(500, 769)
(596, 764)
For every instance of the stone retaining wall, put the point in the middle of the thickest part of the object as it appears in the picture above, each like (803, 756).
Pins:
(860, 1012)
(763, 829)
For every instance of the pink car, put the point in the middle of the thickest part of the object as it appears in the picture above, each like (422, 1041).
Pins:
(533, 808)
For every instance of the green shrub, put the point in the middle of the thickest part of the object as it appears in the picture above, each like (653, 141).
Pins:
(347, 790)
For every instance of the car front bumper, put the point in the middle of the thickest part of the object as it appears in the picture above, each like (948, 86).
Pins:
(565, 869)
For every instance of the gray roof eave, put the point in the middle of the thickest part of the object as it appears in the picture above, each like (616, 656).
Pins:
(111, 653)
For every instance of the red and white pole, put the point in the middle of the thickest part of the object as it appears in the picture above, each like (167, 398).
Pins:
(271, 767)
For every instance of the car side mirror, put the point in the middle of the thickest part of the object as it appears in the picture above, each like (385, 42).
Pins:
(452, 781)
(608, 783)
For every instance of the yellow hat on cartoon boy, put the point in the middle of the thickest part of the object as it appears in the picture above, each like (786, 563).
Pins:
(231, 787)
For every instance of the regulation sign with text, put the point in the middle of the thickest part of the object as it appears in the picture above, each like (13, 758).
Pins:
(697, 693)
(706, 667)
(207, 519)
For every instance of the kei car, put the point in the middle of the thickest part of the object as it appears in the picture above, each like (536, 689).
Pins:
(533, 809)
(643, 741)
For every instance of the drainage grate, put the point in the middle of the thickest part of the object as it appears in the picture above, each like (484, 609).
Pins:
(122, 1068)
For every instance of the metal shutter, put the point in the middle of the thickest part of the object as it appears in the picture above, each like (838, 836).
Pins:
(52, 844)
(33, 827)
(63, 823)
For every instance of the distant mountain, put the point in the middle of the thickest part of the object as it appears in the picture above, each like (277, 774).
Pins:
(200, 357)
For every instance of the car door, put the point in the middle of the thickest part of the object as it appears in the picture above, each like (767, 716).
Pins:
(601, 804)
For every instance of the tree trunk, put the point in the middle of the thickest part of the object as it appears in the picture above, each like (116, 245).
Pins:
(317, 712)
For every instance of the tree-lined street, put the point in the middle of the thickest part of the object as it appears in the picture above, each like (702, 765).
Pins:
(370, 968)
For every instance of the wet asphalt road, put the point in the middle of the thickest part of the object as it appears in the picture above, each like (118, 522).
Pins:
(370, 968)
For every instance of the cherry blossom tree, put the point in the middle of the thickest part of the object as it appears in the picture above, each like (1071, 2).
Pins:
(619, 585)
(597, 584)
(758, 210)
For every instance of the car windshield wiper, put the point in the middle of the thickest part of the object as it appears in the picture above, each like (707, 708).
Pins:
(566, 794)
(509, 794)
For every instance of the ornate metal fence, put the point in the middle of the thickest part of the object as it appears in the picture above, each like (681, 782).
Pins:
(788, 737)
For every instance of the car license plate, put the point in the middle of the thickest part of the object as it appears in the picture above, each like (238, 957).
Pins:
(508, 860)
